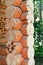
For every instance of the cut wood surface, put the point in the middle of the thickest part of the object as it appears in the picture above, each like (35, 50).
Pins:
(25, 53)
(27, 16)
(25, 22)
(30, 41)
(23, 7)
(14, 59)
(13, 2)
(3, 6)
(23, 16)
(24, 30)
(15, 24)
(30, 52)
(3, 51)
(14, 35)
(30, 29)
(18, 36)
(14, 48)
(2, 36)
(24, 41)
(2, 31)
(25, 62)
(2, 57)
(3, 62)
(3, 41)
(13, 11)
(2, 11)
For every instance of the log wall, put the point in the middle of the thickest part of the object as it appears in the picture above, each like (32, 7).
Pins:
(16, 32)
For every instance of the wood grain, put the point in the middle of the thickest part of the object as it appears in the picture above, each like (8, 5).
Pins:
(3, 6)
(3, 62)
(3, 51)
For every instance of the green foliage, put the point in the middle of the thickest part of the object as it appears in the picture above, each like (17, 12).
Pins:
(38, 33)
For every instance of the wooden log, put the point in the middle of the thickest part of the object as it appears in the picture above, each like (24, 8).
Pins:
(24, 30)
(3, 51)
(31, 61)
(27, 42)
(24, 41)
(25, 22)
(2, 57)
(30, 52)
(13, 11)
(2, 36)
(27, 16)
(28, 29)
(2, 2)
(3, 41)
(12, 35)
(15, 24)
(3, 6)
(30, 41)
(18, 36)
(30, 5)
(2, 11)
(25, 53)
(23, 16)
(23, 7)
(2, 18)
(2, 31)
(13, 2)
(14, 48)
(3, 62)
(26, 61)
(14, 59)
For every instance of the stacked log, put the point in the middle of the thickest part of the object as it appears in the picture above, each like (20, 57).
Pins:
(3, 40)
(2, 29)
(19, 33)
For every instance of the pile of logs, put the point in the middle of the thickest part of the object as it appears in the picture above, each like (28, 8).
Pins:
(16, 38)
(3, 40)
